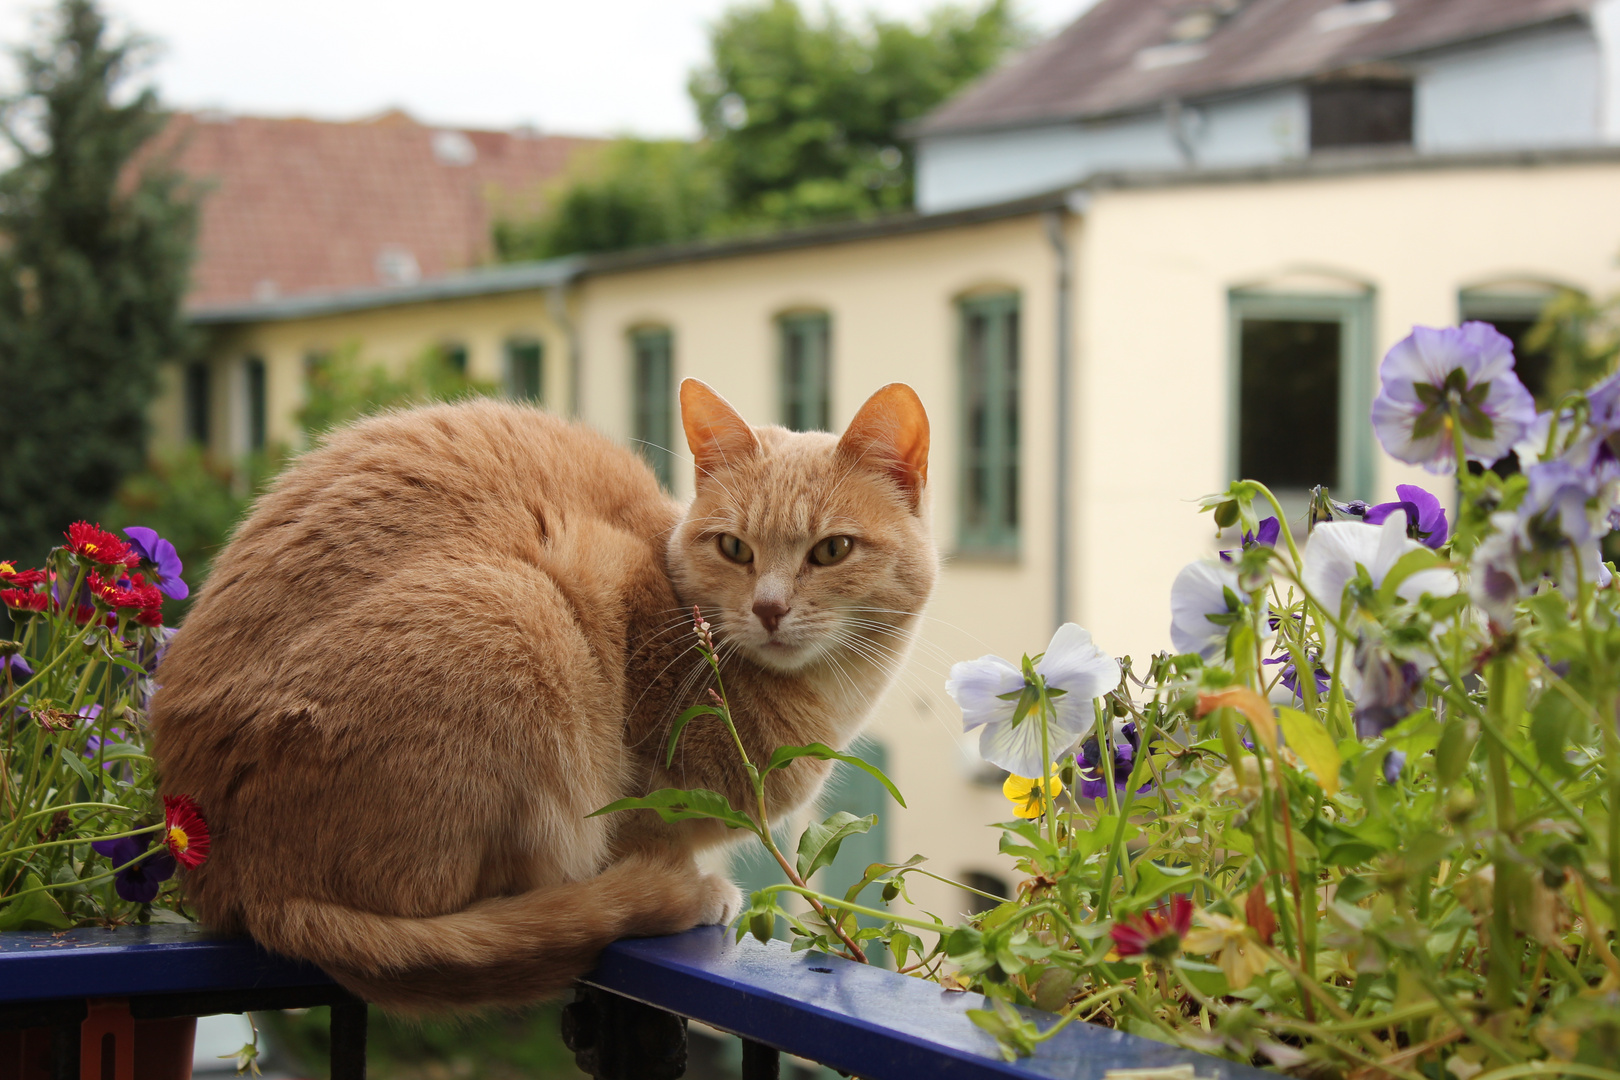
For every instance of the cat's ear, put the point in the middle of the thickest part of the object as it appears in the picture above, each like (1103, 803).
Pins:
(891, 434)
(715, 433)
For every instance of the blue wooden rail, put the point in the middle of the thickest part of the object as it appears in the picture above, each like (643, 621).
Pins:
(862, 1020)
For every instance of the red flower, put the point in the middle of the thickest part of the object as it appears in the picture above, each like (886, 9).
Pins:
(150, 616)
(19, 579)
(184, 830)
(25, 599)
(136, 593)
(1155, 933)
(100, 546)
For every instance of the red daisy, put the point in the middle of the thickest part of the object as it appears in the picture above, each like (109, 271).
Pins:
(184, 830)
(24, 599)
(19, 579)
(150, 616)
(100, 546)
(1155, 933)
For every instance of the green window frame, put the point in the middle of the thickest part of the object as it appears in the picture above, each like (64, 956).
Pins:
(804, 367)
(1514, 311)
(257, 401)
(526, 370)
(988, 360)
(652, 416)
(1353, 314)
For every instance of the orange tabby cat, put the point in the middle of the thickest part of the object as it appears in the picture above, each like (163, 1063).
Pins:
(446, 636)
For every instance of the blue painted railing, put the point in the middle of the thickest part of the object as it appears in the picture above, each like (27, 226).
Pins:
(858, 1019)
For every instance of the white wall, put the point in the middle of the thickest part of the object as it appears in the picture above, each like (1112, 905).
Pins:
(957, 171)
(1533, 90)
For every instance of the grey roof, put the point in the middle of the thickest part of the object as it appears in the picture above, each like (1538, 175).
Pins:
(1097, 67)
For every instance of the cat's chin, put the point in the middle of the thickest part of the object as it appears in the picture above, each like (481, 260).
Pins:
(787, 658)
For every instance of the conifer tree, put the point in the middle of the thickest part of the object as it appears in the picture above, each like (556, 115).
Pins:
(95, 249)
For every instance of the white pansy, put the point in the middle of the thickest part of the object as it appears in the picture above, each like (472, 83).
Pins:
(1336, 549)
(1072, 663)
(1200, 592)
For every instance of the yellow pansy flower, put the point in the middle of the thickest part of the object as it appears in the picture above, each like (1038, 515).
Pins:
(1239, 955)
(1025, 794)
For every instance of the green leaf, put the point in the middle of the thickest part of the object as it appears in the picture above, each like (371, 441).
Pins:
(680, 725)
(34, 911)
(676, 804)
(819, 844)
(822, 752)
(1313, 745)
(1458, 737)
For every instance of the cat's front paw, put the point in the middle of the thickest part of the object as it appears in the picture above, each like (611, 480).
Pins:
(721, 901)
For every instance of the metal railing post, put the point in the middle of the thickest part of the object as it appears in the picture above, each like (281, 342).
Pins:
(615, 1038)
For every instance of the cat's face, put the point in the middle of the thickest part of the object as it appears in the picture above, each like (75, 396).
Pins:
(802, 548)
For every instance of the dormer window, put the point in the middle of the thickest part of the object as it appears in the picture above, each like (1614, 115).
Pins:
(1361, 111)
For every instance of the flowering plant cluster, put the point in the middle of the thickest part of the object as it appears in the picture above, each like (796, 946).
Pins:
(83, 839)
(1364, 819)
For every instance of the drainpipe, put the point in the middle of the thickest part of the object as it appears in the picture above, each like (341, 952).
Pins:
(557, 304)
(1056, 225)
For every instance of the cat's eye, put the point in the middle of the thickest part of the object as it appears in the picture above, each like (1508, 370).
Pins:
(831, 550)
(735, 549)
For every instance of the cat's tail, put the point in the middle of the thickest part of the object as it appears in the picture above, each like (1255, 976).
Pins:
(503, 951)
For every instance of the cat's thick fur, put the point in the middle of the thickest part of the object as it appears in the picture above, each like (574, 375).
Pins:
(445, 637)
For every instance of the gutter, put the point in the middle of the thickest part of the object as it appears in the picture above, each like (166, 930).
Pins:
(1057, 221)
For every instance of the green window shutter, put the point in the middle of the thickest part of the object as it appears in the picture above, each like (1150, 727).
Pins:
(455, 357)
(525, 370)
(988, 514)
(257, 404)
(804, 368)
(652, 423)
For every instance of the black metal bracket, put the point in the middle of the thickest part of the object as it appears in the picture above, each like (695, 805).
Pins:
(615, 1038)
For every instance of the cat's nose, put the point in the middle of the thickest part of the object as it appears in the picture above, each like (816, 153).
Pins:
(770, 613)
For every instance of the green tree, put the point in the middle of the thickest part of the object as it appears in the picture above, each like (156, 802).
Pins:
(635, 193)
(93, 269)
(804, 118)
(802, 122)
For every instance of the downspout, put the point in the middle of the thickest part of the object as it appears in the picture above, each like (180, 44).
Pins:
(1056, 234)
(557, 304)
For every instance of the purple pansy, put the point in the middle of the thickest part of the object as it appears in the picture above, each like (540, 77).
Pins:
(1425, 517)
(1394, 762)
(1289, 676)
(139, 883)
(1388, 692)
(1561, 503)
(1126, 745)
(1263, 536)
(165, 561)
(1429, 373)
(14, 665)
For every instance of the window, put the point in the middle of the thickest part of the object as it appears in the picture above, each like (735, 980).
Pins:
(805, 379)
(1361, 112)
(525, 369)
(254, 372)
(652, 423)
(1302, 374)
(198, 397)
(988, 520)
(455, 357)
(981, 883)
(1514, 312)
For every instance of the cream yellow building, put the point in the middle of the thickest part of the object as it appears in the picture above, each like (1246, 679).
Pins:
(1125, 332)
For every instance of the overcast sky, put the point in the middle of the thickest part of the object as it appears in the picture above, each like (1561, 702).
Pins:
(566, 66)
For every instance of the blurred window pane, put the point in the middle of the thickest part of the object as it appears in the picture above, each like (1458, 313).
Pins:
(652, 423)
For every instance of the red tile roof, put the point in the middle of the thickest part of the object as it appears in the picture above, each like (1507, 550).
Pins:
(294, 206)
(1097, 67)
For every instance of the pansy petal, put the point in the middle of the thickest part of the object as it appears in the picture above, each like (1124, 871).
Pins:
(977, 687)
(1017, 748)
